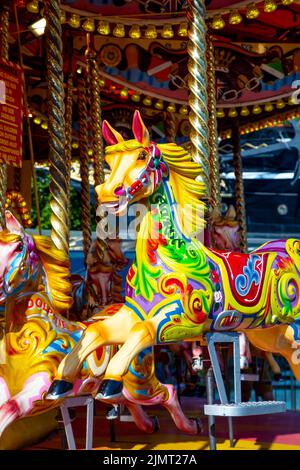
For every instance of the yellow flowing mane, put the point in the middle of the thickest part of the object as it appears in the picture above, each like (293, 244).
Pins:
(187, 190)
(56, 266)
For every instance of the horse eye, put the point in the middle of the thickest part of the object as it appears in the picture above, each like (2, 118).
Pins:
(20, 247)
(142, 155)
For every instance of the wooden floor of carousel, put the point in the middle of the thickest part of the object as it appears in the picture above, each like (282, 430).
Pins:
(276, 432)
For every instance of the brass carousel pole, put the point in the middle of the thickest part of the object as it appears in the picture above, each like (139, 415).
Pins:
(68, 124)
(58, 165)
(239, 186)
(95, 110)
(198, 89)
(84, 167)
(214, 166)
(18, 174)
(4, 54)
(93, 81)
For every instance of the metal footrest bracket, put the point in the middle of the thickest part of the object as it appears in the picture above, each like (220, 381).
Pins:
(71, 402)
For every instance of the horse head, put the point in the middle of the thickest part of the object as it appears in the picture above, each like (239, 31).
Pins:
(19, 259)
(225, 230)
(136, 167)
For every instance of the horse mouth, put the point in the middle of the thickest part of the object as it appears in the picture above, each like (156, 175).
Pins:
(115, 207)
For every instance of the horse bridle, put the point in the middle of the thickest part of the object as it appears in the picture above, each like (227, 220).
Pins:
(155, 165)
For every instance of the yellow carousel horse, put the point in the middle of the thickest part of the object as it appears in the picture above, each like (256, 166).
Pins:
(34, 293)
(177, 289)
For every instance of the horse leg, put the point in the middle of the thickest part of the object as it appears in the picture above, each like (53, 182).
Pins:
(22, 403)
(141, 419)
(279, 339)
(141, 336)
(172, 405)
(113, 330)
(142, 387)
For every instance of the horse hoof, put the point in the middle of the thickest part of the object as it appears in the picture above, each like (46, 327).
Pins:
(109, 389)
(155, 423)
(112, 413)
(198, 425)
(59, 389)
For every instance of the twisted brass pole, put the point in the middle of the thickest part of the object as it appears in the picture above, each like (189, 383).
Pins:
(198, 88)
(17, 179)
(68, 125)
(84, 168)
(58, 165)
(96, 127)
(96, 121)
(170, 127)
(4, 54)
(239, 187)
(214, 166)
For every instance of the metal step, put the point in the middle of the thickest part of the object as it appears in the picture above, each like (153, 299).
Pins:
(250, 408)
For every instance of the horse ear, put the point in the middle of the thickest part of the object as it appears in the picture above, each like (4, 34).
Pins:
(231, 212)
(140, 131)
(13, 225)
(111, 136)
(215, 214)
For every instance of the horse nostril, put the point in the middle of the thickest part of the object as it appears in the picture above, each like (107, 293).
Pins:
(119, 191)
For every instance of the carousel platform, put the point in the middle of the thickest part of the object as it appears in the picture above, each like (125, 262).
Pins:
(267, 432)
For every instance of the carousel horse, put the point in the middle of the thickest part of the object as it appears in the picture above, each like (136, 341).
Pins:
(177, 289)
(102, 284)
(35, 289)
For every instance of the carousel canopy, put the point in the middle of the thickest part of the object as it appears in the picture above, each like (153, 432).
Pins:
(141, 50)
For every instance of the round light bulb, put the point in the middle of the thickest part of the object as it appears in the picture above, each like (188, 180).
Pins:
(235, 17)
(74, 21)
(135, 32)
(89, 25)
(252, 11)
(119, 31)
(245, 111)
(147, 101)
(167, 31)
(217, 22)
(171, 108)
(159, 104)
(33, 6)
(151, 32)
(103, 28)
(183, 30)
(270, 5)
(232, 112)
(136, 97)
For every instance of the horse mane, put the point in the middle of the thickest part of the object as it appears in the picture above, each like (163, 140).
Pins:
(187, 189)
(56, 265)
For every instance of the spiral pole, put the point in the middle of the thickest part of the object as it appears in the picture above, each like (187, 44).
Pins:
(239, 187)
(68, 125)
(96, 121)
(214, 166)
(197, 82)
(4, 54)
(84, 168)
(170, 127)
(58, 165)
